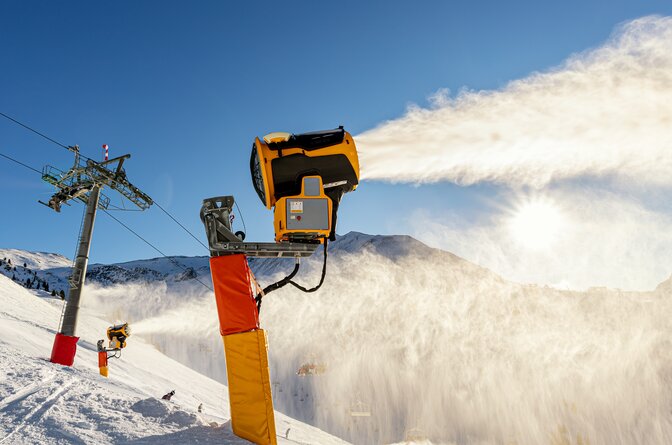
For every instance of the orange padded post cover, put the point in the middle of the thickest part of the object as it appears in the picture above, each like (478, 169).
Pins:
(236, 307)
(102, 363)
(249, 381)
(102, 359)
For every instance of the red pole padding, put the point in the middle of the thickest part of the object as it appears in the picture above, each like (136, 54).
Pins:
(64, 349)
(236, 307)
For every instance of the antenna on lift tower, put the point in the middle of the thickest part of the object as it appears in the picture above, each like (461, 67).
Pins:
(84, 182)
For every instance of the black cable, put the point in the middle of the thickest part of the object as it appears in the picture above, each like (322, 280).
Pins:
(40, 134)
(85, 157)
(21, 163)
(241, 216)
(288, 280)
(178, 223)
(33, 130)
(277, 285)
(153, 247)
(324, 274)
(124, 225)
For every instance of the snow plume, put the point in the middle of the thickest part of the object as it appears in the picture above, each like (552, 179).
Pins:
(432, 344)
(179, 319)
(605, 112)
(421, 339)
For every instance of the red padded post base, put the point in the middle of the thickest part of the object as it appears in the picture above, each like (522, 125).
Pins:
(64, 350)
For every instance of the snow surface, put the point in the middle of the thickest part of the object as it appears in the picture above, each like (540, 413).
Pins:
(45, 403)
(422, 339)
(35, 260)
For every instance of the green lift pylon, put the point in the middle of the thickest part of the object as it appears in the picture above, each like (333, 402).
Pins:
(84, 182)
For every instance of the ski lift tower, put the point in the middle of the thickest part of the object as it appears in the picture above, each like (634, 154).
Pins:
(84, 182)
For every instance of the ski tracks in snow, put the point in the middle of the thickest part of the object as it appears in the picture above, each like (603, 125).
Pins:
(29, 405)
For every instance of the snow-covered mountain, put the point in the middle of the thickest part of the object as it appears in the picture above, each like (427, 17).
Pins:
(416, 342)
(55, 269)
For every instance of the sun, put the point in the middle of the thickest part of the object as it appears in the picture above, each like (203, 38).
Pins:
(537, 224)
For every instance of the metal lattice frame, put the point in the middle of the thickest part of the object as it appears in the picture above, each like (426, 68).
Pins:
(84, 182)
(87, 173)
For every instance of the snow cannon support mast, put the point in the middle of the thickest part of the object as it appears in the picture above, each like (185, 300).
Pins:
(84, 182)
(303, 178)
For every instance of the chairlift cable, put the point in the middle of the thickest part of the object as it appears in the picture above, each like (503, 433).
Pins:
(40, 134)
(104, 210)
(85, 157)
(33, 130)
(155, 248)
(20, 163)
(179, 224)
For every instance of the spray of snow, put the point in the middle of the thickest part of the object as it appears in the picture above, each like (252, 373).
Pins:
(593, 133)
(430, 343)
(470, 359)
(603, 112)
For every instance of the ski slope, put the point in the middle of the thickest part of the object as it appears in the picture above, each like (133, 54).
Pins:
(44, 403)
(430, 345)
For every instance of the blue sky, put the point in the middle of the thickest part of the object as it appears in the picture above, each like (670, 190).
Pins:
(186, 86)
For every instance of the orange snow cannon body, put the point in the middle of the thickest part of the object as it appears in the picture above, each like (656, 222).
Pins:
(246, 350)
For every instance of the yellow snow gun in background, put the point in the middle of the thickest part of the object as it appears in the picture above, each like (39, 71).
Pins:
(117, 335)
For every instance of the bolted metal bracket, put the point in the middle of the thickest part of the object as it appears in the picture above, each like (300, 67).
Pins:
(215, 215)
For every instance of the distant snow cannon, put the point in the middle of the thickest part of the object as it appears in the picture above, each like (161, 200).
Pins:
(304, 176)
(116, 335)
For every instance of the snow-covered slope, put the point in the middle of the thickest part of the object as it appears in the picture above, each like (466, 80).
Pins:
(421, 340)
(44, 403)
(34, 260)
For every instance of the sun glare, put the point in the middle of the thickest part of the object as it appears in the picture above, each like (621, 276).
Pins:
(537, 224)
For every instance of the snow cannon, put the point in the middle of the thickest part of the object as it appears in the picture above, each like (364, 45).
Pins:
(304, 176)
(116, 335)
